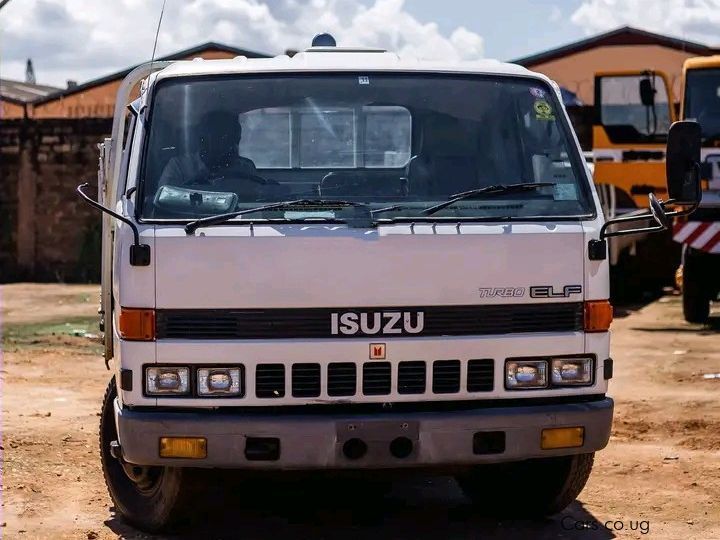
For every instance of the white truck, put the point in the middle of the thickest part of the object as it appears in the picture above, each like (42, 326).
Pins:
(346, 260)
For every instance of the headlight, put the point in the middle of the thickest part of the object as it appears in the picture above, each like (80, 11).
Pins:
(167, 381)
(218, 381)
(529, 374)
(572, 371)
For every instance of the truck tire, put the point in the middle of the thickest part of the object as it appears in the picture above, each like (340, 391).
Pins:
(527, 489)
(696, 301)
(157, 498)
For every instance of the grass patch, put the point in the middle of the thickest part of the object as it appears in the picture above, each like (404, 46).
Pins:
(51, 333)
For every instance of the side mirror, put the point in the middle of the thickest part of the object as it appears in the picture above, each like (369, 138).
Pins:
(647, 93)
(658, 212)
(683, 162)
(139, 253)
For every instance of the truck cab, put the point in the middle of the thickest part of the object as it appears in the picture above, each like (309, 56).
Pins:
(347, 260)
(633, 112)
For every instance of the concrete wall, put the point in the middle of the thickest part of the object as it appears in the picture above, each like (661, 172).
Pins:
(46, 232)
(576, 72)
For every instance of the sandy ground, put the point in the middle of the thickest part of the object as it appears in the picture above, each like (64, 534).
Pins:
(658, 478)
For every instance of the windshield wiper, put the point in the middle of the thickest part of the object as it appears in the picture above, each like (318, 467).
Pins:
(487, 191)
(356, 220)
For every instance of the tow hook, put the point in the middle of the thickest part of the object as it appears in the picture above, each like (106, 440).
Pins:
(137, 474)
(115, 450)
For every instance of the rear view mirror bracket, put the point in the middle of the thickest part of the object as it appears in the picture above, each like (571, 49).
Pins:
(597, 248)
(139, 253)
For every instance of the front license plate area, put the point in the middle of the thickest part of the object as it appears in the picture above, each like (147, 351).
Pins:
(377, 442)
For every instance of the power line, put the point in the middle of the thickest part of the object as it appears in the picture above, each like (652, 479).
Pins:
(3, 2)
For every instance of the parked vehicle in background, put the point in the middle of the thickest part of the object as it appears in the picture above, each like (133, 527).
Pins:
(699, 234)
(346, 260)
(633, 113)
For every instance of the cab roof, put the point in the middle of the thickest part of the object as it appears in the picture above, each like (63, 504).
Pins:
(339, 59)
(702, 62)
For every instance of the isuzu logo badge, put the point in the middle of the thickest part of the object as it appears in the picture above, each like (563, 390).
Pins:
(377, 351)
(384, 323)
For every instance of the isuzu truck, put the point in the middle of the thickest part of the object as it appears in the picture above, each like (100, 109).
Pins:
(347, 260)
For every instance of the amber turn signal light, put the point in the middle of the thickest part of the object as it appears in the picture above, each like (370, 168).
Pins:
(137, 324)
(598, 315)
(183, 447)
(567, 437)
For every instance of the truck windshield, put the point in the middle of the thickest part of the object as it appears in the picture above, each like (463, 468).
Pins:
(702, 100)
(398, 142)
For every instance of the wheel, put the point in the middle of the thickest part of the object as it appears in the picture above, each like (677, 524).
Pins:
(696, 301)
(150, 498)
(527, 489)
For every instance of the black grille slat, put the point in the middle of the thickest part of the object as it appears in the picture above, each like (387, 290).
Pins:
(270, 381)
(446, 377)
(306, 380)
(315, 322)
(342, 379)
(480, 375)
(411, 377)
(376, 378)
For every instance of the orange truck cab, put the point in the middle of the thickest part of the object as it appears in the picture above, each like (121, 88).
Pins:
(633, 113)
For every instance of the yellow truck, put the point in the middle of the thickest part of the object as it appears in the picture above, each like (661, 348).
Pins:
(700, 235)
(632, 116)
(633, 113)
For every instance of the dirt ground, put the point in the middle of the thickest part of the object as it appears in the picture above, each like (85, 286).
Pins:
(658, 478)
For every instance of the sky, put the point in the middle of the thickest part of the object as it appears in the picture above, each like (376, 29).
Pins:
(85, 39)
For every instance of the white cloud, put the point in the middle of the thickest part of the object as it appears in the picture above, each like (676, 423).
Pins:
(697, 20)
(77, 39)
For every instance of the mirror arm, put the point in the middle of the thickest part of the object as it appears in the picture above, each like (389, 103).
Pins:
(626, 232)
(627, 219)
(684, 212)
(677, 213)
(139, 253)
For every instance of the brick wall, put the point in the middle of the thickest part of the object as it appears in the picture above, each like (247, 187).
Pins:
(49, 234)
(10, 135)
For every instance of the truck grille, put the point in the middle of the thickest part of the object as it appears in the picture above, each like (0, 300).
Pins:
(270, 381)
(316, 322)
(480, 375)
(411, 377)
(376, 378)
(306, 380)
(446, 376)
(341, 378)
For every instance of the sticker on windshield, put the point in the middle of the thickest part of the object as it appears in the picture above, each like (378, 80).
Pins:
(363, 80)
(537, 92)
(543, 111)
(565, 192)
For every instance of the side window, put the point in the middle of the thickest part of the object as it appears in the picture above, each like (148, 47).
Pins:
(633, 107)
(267, 138)
(388, 132)
(127, 145)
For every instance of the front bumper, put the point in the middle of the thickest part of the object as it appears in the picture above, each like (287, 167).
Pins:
(315, 441)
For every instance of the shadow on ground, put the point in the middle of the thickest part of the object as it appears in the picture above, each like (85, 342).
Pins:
(431, 508)
(710, 328)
